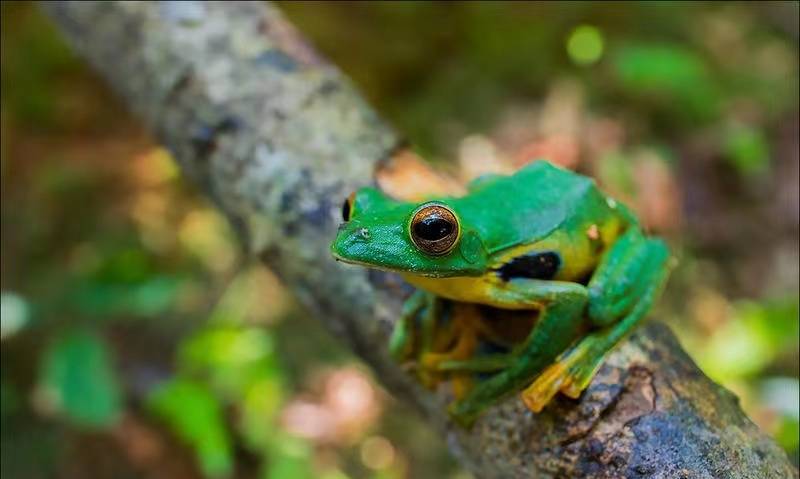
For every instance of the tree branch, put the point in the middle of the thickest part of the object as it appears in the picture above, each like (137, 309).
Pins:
(277, 136)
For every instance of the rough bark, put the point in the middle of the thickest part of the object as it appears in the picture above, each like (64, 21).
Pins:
(277, 136)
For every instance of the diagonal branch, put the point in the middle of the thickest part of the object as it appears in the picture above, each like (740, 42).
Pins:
(276, 136)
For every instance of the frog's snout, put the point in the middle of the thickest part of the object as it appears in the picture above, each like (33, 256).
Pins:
(350, 236)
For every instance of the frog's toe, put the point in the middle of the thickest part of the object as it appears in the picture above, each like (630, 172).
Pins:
(581, 375)
(461, 384)
(541, 392)
(431, 360)
(571, 374)
(400, 342)
(427, 369)
(572, 389)
(428, 379)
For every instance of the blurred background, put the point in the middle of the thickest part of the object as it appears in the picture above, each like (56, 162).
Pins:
(137, 342)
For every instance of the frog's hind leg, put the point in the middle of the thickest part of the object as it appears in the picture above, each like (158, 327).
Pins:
(455, 342)
(627, 282)
(563, 305)
(471, 331)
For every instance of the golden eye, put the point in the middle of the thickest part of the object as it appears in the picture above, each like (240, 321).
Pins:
(347, 207)
(434, 229)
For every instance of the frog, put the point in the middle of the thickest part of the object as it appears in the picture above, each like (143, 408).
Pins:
(544, 239)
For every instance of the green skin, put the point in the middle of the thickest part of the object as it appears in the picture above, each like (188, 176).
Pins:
(541, 208)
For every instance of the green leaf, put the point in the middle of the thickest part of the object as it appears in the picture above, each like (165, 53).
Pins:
(148, 298)
(646, 67)
(240, 366)
(747, 149)
(233, 358)
(754, 337)
(194, 414)
(788, 434)
(9, 399)
(616, 172)
(289, 457)
(674, 77)
(78, 380)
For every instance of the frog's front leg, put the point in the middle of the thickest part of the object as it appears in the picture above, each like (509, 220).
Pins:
(421, 304)
(563, 306)
(621, 292)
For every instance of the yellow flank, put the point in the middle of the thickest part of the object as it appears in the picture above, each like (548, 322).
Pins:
(469, 289)
(579, 253)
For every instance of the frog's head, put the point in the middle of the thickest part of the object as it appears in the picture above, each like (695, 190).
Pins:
(428, 238)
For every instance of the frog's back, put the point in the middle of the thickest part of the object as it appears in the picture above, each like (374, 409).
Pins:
(525, 206)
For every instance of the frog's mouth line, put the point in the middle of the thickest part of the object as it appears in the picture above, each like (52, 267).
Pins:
(382, 268)
(360, 263)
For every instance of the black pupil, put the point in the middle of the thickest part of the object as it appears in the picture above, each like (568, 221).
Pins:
(433, 228)
(346, 210)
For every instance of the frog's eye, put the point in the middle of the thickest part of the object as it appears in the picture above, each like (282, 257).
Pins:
(347, 207)
(434, 229)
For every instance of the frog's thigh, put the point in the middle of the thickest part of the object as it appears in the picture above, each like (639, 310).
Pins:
(624, 275)
(563, 308)
(574, 369)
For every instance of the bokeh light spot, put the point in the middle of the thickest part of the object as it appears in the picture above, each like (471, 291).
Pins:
(13, 314)
(377, 453)
(585, 45)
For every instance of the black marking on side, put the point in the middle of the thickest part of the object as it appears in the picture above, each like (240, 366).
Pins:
(542, 265)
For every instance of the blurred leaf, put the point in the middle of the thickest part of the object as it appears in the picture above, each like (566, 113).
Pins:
(259, 407)
(675, 77)
(289, 457)
(32, 57)
(746, 148)
(788, 434)
(777, 319)
(648, 68)
(9, 398)
(194, 414)
(616, 172)
(149, 298)
(233, 357)
(127, 265)
(241, 366)
(755, 336)
(78, 380)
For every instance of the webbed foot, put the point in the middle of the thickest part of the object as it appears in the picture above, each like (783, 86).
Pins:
(571, 374)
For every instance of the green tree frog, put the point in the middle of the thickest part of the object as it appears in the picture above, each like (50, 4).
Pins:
(543, 239)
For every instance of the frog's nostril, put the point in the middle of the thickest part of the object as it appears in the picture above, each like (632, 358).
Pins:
(363, 233)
